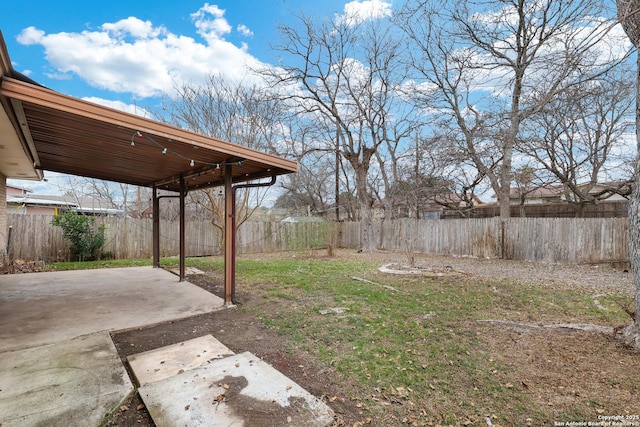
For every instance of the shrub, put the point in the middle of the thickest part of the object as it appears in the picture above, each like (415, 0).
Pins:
(86, 239)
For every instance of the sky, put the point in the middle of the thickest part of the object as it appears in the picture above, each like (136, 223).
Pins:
(127, 54)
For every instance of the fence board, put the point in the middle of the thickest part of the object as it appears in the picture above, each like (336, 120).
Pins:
(551, 240)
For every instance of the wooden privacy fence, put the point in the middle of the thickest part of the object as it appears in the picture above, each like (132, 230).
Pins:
(552, 240)
(34, 238)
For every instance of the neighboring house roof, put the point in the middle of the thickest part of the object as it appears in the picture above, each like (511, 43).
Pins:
(42, 201)
(83, 204)
(613, 186)
(20, 189)
(440, 202)
(557, 191)
(550, 191)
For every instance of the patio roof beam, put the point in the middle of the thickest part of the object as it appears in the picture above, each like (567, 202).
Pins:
(214, 181)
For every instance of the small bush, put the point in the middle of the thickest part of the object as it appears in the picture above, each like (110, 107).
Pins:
(86, 239)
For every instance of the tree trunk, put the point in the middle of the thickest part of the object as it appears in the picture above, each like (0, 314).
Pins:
(367, 238)
(504, 203)
(631, 333)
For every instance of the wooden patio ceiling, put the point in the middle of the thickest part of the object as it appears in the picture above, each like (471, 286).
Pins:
(76, 137)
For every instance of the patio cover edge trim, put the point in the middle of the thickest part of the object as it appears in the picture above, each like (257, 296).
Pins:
(15, 89)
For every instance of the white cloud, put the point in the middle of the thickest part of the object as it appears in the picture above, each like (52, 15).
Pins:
(134, 27)
(358, 11)
(210, 22)
(134, 56)
(244, 30)
(59, 76)
(30, 35)
(118, 105)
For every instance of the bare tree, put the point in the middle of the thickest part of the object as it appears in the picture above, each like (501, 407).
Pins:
(344, 74)
(311, 188)
(629, 15)
(211, 203)
(242, 113)
(98, 195)
(235, 111)
(579, 138)
(491, 66)
(313, 145)
(448, 149)
(421, 173)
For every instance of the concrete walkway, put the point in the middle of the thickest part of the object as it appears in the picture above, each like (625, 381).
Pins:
(58, 364)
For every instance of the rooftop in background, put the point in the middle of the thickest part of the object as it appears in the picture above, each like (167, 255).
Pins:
(20, 200)
(609, 191)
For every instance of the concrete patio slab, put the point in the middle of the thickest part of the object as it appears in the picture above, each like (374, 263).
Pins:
(70, 383)
(164, 362)
(43, 308)
(236, 390)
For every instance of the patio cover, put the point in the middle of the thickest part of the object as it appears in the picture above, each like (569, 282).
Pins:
(41, 129)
